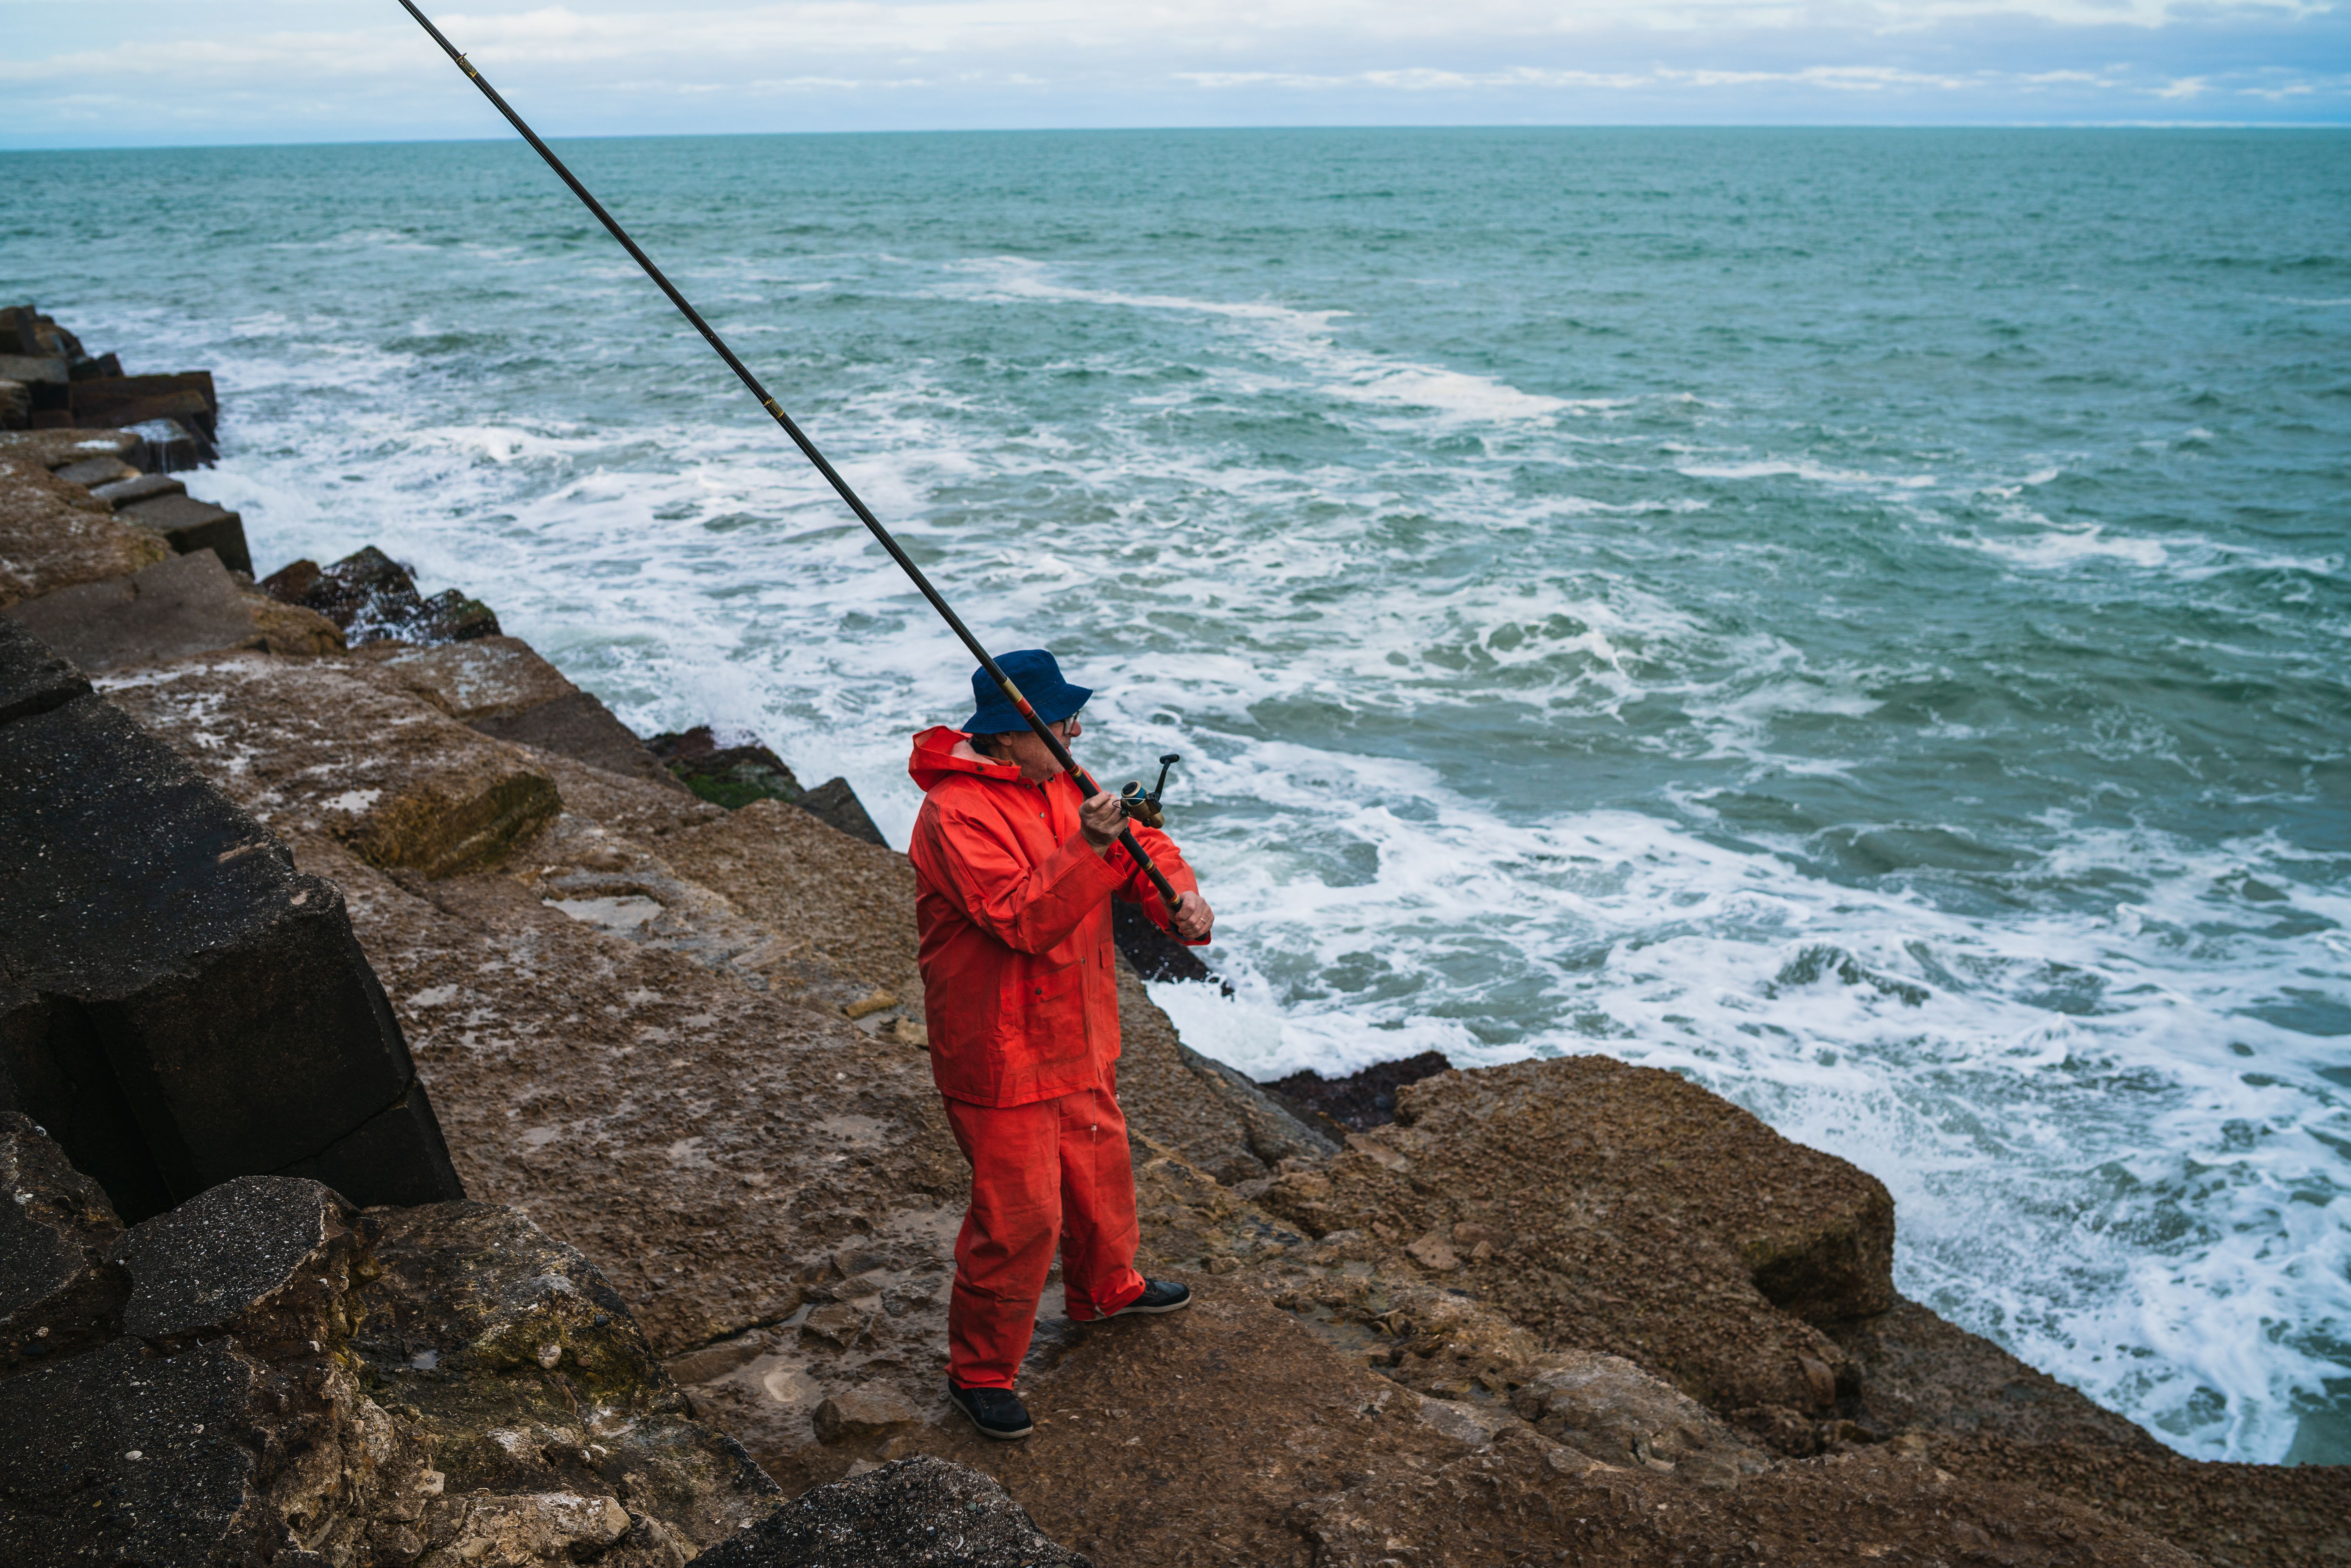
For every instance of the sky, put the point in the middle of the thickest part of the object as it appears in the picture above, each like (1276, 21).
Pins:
(141, 73)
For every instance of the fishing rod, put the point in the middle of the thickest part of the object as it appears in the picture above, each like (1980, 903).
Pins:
(1069, 764)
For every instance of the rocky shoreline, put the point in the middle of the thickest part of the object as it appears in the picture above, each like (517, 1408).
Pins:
(663, 1000)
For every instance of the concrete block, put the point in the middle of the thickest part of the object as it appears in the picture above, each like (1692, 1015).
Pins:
(578, 726)
(92, 472)
(396, 781)
(255, 1253)
(178, 1005)
(58, 1294)
(105, 366)
(34, 678)
(140, 488)
(33, 370)
(188, 397)
(835, 802)
(191, 525)
(57, 448)
(486, 678)
(15, 404)
(166, 445)
(188, 604)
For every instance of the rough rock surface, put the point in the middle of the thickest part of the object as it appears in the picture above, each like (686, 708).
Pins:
(186, 605)
(177, 1002)
(263, 1395)
(317, 746)
(501, 686)
(1359, 1102)
(904, 1514)
(372, 598)
(1625, 1210)
(55, 534)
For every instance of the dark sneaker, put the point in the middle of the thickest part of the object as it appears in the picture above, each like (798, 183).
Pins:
(1158, 1296)
(996, 1412)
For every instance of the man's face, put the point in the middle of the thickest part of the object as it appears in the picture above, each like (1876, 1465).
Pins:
(1022, 746)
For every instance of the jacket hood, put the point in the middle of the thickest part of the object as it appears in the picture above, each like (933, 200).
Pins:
(942, 752)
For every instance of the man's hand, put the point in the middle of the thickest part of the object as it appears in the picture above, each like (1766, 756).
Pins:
(1102, 818)
(1193, 918)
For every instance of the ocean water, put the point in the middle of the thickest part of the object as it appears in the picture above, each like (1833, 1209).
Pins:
(1860, 618)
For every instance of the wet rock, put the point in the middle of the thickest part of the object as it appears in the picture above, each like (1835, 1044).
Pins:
(291, 632)
(486, 678)
(56, 536)
(179, 1005)
(267, 1254)
(34, 677)
(59, 1294)
(374, 599)
(1360, 1101)
(15, 404)
(164, 445)
(864, 1411)
(94, 474)
(52, 449)
(834, 804)
(728, 776)
(912, 1511)
(1155, 954)
(188, 398)
(578, 726)
(190, 525)
(1610, 1410)
(140, 488)
(1623, 1209)
(1273, 1134)
(321, 748)
(188, 604)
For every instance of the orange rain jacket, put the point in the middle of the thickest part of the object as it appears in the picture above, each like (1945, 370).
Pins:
(1012, 907)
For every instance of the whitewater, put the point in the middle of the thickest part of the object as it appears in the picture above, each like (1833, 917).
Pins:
(1858, 618)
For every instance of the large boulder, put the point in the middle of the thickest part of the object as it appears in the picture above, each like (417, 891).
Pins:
(178, 1003)
(1628, 1210)
(54, 533)
(500, 686)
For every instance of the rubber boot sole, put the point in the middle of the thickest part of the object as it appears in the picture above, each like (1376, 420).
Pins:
(990, 1431)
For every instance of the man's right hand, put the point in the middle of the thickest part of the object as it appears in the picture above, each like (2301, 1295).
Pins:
(1102, 818)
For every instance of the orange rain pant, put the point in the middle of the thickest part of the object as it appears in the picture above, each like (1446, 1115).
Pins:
(1052, 1170)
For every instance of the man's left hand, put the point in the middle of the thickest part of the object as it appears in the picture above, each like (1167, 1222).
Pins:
(1193, 918)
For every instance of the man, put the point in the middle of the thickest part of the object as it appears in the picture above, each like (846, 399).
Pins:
(1014, 876)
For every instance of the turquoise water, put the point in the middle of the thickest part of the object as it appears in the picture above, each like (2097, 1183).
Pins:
(1858, 617)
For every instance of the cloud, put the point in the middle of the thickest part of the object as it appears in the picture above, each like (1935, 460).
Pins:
(273, 69)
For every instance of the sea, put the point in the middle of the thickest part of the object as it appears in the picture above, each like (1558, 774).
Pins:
(1859, 618)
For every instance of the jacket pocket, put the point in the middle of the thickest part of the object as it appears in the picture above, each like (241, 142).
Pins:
(1044, 1015)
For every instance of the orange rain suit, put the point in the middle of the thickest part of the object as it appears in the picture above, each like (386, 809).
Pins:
(1020, 992)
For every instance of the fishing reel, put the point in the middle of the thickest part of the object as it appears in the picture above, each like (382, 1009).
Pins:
(1141, 808)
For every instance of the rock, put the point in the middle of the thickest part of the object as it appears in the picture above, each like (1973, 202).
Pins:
(57, 448)
(178, 1005)
(320, 747)
(59, 1294)
(92, 473)
(15, 404)
(54, 535)
(1608, 1409)
(1274, 1134)
(864, 1411)
(735, 776)
(372, 598)
(33, 370)
(84, 370)
(486, 678)
(728, 776)
(34, 678)
(188, 398)
(163, 446)
(1360, 1101)
(141, 487)
(833, 802)
(1155, 954)
(917, 1510)
(191, 524)
(578, 726)
(1625, 1209)
(292, 631)
(234, 1420)
(1433, 1251)
(526, 1531)
(188, 604)
(267, 1254)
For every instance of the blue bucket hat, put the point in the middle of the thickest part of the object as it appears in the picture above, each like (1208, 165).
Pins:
(1035, 672)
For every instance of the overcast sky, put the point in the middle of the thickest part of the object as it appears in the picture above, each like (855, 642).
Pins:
(135, 72)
